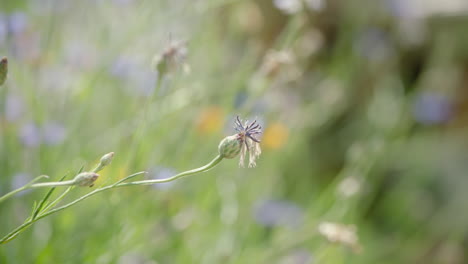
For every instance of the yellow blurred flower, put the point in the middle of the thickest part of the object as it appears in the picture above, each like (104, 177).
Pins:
(275, 136)
(210, 120)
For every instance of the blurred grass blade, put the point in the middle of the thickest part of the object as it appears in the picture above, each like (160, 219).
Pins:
(46, 197)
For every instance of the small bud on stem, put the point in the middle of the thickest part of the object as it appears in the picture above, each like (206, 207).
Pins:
(105, 160)
(85, 179)
(230, 147)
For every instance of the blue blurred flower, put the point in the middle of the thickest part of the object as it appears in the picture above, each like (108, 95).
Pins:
(373, 44)
(53, 133)
(14, 107)
(273, 212)
(432, 108)
(30, 135)
(240, 98)
(159, 172)
(403, 8)
(17, 23)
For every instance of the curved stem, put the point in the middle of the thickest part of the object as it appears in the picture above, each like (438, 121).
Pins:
(207, 167)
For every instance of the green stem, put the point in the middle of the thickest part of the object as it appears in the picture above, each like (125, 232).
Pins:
(207, 167)
(98, 168)
(119, 183)
(8, 195)
(52, 204)
(31, 184)
(52, 184)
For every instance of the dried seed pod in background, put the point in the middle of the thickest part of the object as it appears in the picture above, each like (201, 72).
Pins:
(3, 70)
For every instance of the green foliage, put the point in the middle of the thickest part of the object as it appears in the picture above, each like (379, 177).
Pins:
(363, 105)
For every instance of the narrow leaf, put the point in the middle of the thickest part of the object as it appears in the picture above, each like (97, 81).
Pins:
(43, 201)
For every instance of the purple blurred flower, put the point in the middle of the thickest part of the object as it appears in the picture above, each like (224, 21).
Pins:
(160, 172)
(278, 213)
(122, 67)
(53, 133)
(20, 179)
(17, 23)
(30, 135)
(373, 44)
(432, 108)
(14, 107)
(240, 98)
(3, 28)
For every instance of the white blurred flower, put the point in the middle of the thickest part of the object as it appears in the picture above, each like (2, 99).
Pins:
(349, 186)
(288, 6)
(342, 234)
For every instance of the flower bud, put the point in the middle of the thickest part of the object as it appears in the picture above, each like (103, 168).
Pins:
(3, 70)
(229, 147)
(107, 159)
(85, 179)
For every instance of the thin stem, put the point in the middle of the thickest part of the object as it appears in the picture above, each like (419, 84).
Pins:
(119, 183)
(98, 168)
(52, 184)
(207, 167)
(17, 230)
(31, 184)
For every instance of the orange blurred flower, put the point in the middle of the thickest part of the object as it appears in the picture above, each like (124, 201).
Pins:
(210, 120)
(275, 136)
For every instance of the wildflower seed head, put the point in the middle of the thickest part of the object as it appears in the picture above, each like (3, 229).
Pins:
(85, 179)
(3, 70)
(171, 58)
(248, 136)
(229, 147)
(107, 159)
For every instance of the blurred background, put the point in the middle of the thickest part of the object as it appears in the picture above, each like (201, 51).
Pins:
(364, 106)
